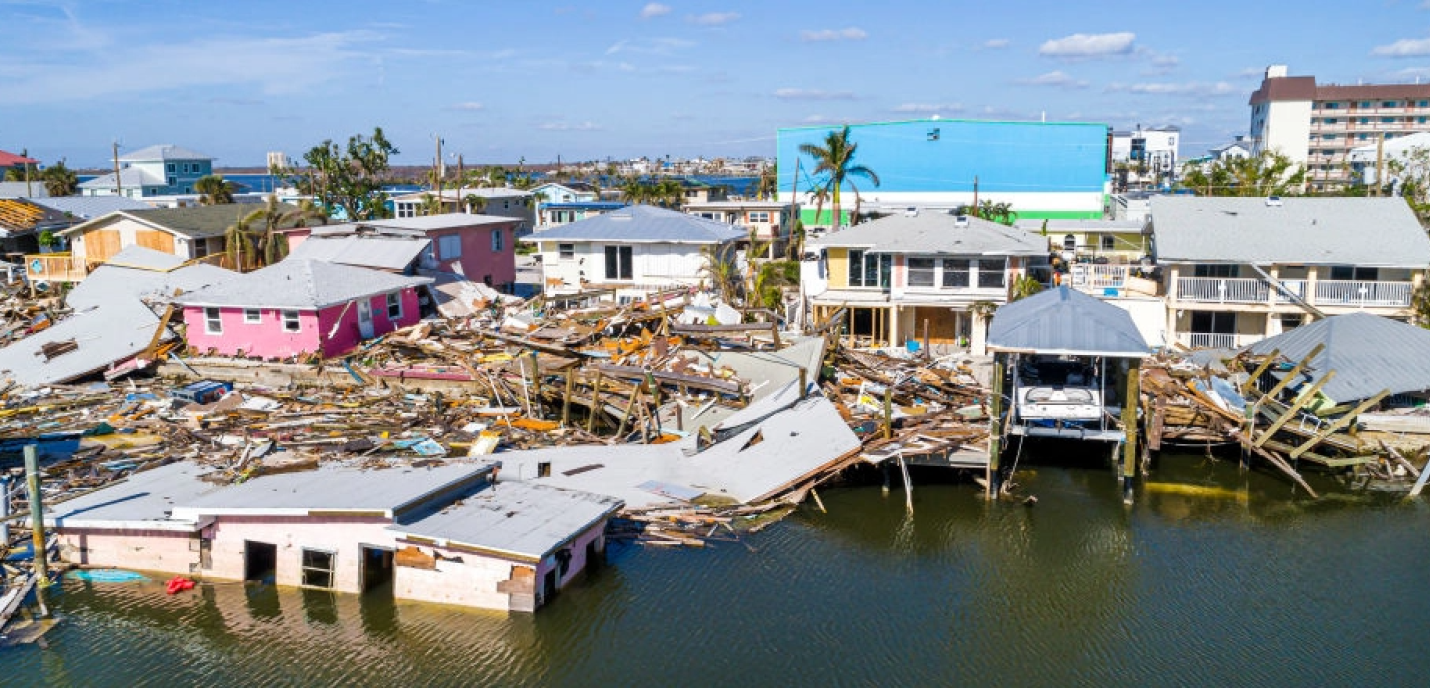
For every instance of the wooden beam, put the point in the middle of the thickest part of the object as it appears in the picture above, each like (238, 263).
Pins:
(1295, 371)
(1301, 400)
(1250, 383)
(1340, 423)
(692, 381)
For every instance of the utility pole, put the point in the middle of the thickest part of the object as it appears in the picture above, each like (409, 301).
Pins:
(975, 196)
(29, 191)
(118, 185)
(437, 166)
(1379, 163)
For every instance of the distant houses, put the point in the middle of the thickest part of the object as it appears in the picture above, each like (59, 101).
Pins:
(162, 170)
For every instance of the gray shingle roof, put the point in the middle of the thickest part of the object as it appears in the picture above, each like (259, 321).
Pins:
(197, 222)
(1369, 353)
(1317, 231)
(936, 232)
(1066, 321)
(379, 252)
(90, 207)
(515, 518)
(163, 151)
(644, 224)
(299, 284)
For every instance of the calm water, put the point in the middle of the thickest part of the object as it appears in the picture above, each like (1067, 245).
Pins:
(1235, 584)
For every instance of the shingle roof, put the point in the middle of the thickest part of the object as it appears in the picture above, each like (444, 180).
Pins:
(931, 231)
(644, 224)
(163, 151)
(515, 518)
(1369, 353)
(299, 284)
(196, 222)
(1066, 321)
(1317, 231)
(90, 207)
(379, 252)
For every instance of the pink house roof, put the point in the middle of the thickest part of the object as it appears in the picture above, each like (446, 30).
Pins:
(8, 159)
(299, 285)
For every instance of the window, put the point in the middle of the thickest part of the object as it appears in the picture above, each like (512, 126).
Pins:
(252, 315)
(170, 168)
(921, 272)
(1350, 272)
(1333, 106)
(955, 273)
(867, 270)
(1109, 242)
(394, 306)
(1388, 103)
(1387, 120)
(1365, 120)
(618, 263)
(173, 181)
(1423, 103)
(318, 568)
(1329, 137)
(449, 246)
(990, 273)
(1069, 242)
(1214, 270)
(213, 321)
(497, 240)
(566, 251)
(1330, 120)
(759, 216)
(290, 322)
(1362, 137)
(406, 210)
(1419, 120)
(1365, 103)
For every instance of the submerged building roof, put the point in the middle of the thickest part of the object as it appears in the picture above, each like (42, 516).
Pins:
(643, 224)
(1065, 321)
(514, 519)
(1304, 231)
(143, 501)
(937, 232)
(299, 284)
(1369, 353)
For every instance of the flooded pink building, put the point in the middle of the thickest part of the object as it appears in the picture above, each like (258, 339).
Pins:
(442, 534)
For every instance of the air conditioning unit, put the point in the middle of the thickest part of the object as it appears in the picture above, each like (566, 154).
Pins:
(960, 220)
(1274, 202)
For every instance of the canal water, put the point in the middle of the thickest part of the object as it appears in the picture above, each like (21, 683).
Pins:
(1214, 577)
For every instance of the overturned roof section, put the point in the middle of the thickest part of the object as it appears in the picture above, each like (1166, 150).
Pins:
(520, 520)
(1368, 232)
(937, 232)
(300, 284)
(639, 224)
(1369, 354)
(82, 344)
(379, 252)
(1065, 321)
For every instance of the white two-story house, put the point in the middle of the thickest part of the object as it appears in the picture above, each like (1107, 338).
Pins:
(1238, 270)
(636, 250)
(923, 270)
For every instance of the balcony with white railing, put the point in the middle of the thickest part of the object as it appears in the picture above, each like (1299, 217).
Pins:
(1360, 293)
(1223, 290)
(1213, 340)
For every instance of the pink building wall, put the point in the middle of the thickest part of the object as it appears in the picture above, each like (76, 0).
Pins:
(578, 564)
(150, 550)
(267, 339)
(477, 259)
(296, 236)
(470, 582)
(342, 535)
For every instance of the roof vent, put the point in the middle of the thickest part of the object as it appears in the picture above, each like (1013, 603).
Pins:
(911, 212)
(1274, 202)
(960, 220)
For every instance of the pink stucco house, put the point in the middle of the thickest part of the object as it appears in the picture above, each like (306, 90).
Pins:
(480, 248)
(441, 534)
(299, 307)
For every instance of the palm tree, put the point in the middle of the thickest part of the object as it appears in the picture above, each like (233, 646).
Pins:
(431, 205)
(669, 193)
(722, 268)
(1023, 287)
(59, 180)
(214, 190)
(820, 196)
(836, 159)
(1267, 174)
(475, 203)
(768, 185)
(238, 245)
(306, 211)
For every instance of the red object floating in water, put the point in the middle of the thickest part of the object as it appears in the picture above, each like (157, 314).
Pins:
(178, 584)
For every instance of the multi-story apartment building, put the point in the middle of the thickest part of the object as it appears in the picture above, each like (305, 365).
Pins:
(1316, 125)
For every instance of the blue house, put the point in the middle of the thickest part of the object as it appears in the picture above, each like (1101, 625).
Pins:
(162, 170)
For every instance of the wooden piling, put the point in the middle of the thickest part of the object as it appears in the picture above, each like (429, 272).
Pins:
(37, 516)
(1129, 430)
(926, 339)
(908, 484)
(566, 403)
(995, 431)
(888, 412)
(595, 402)
(536, 405)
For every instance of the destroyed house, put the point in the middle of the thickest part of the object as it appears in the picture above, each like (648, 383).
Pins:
(918, 275)
(437, 534)
(1238, 270)
(480, 248)
(636, 250)
(297, 308)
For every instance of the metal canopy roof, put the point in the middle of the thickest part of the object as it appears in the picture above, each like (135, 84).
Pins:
(1065, 321)
(1369, 353)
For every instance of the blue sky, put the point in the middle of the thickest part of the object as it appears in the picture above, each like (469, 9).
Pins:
(502, 81)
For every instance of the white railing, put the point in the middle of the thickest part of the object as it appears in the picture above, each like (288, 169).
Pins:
(1211, 340)
(1223, 290)
(1296, 287)
(1357, 293)
(1096, 276)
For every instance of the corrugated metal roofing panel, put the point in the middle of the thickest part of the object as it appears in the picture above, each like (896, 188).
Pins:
(644, 224)
(1066, 321)
(1369, 353)
(936, 232)
(362, 251)
(301, 284)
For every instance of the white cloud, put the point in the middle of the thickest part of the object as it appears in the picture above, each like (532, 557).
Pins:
(1084, 45)
(852, 33)
(1405, 47)
(1191, 88)
(566, 126)
(654, 9)
(821, 119)
(928, 108)
(650, 46)
(1056, 79)
(469, 106)
(812, 94)
(995, 44)
(714, 18)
